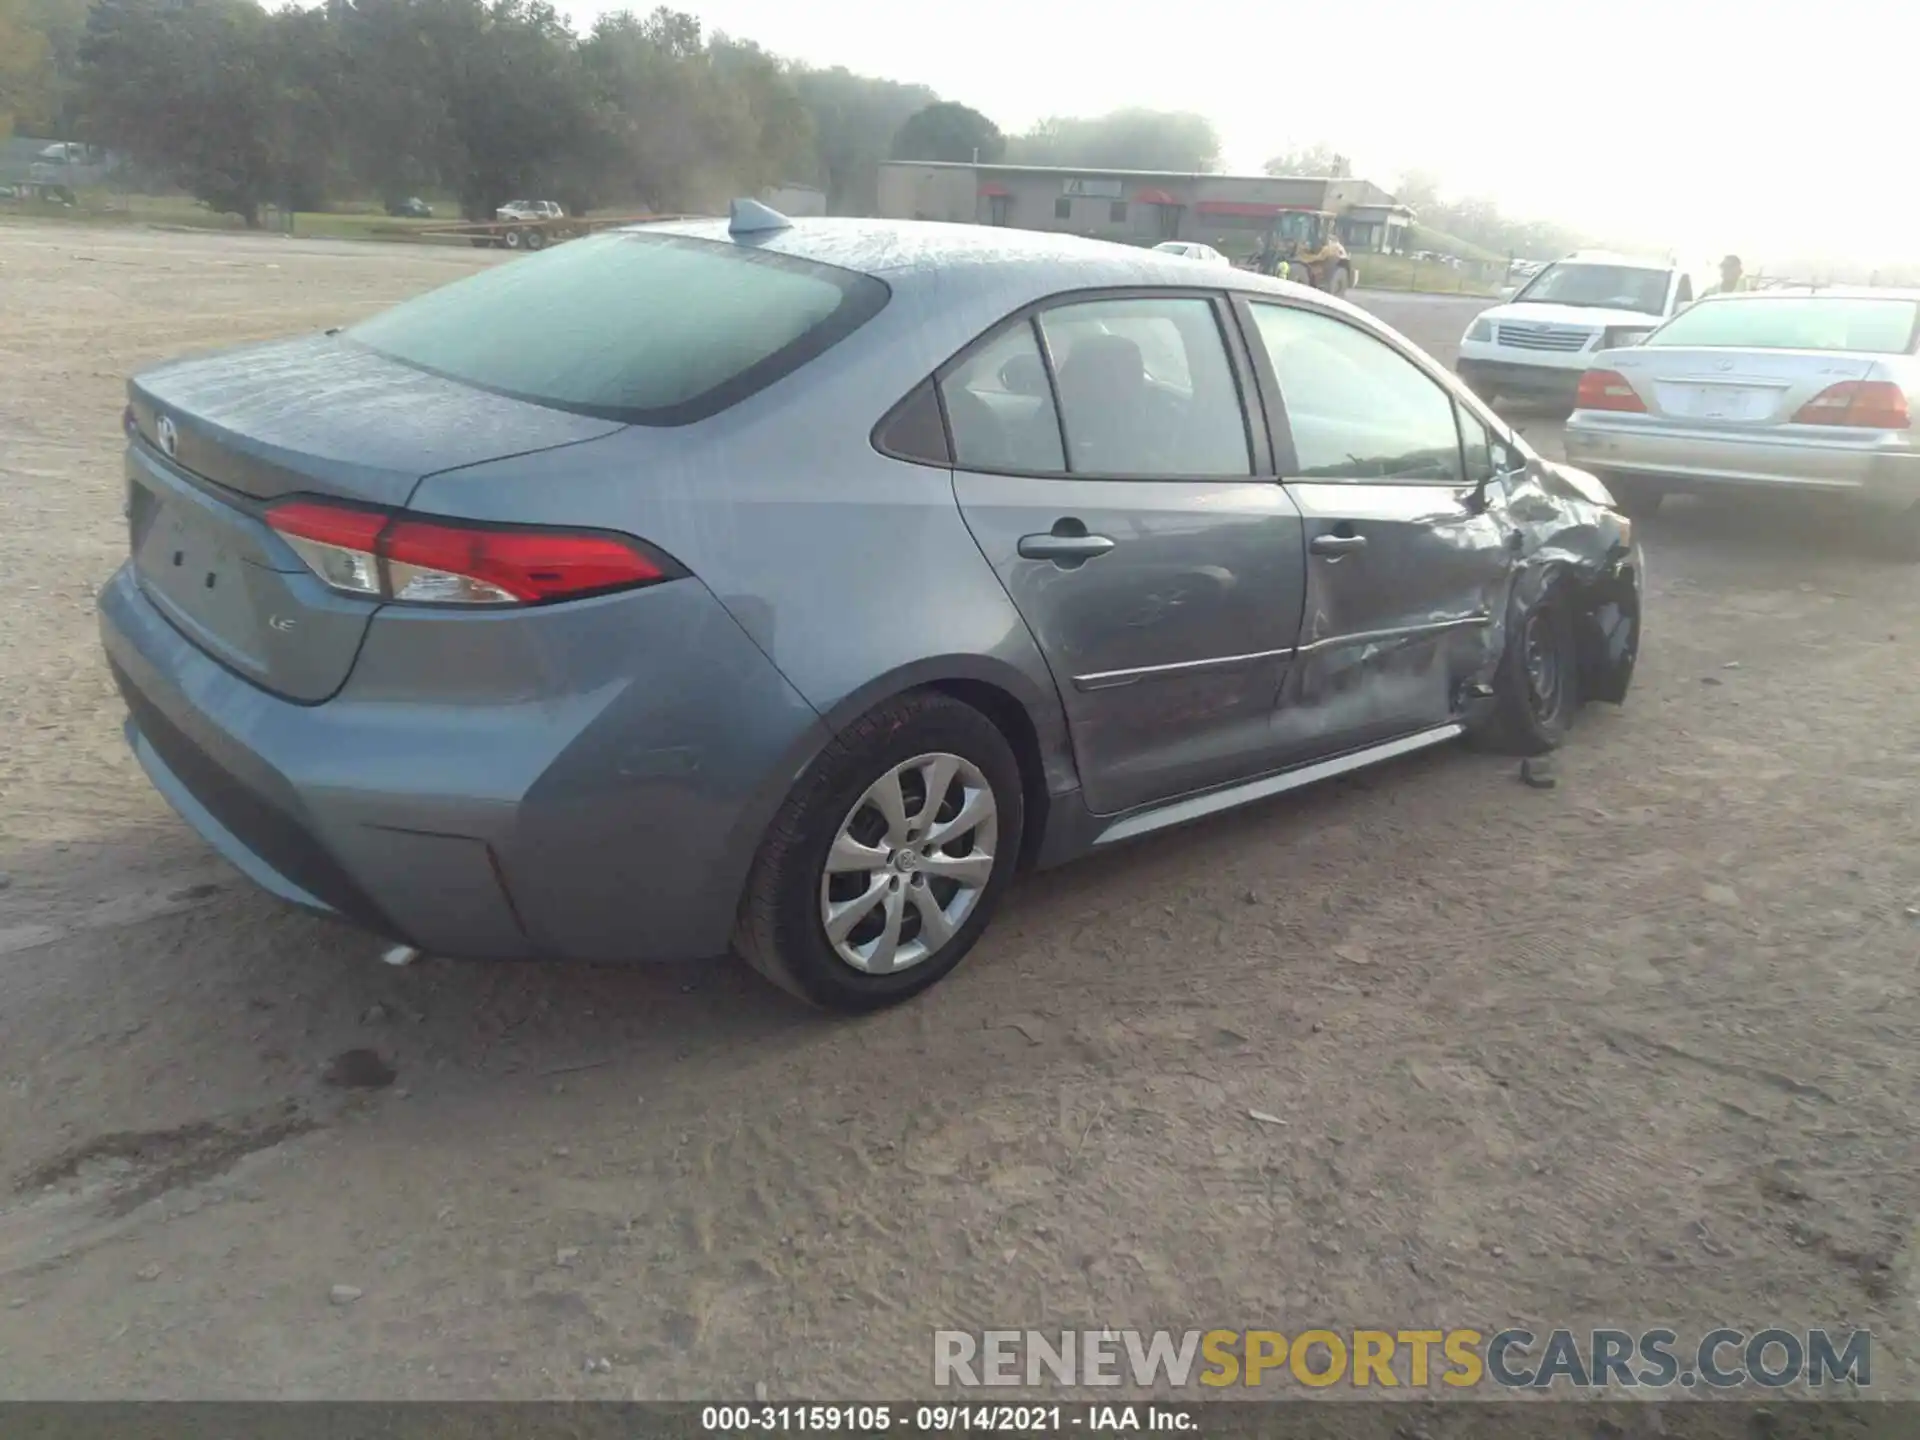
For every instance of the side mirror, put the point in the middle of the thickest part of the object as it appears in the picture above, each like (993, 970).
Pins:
(1024, 375)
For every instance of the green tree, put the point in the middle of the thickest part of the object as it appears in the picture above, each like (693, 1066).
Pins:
(854, 119)
(661, 122)
(755, 82)
(24, 54)
(190, 92)
(516, 105)
(1131, 139)
(39, 59)
(396, 130)
(1316, 159)
(946, 130)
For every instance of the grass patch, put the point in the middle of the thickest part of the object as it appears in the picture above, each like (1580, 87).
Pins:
(1403, 272)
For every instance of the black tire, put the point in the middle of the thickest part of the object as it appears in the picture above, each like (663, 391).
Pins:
(536, 240)
(513, 240)
(1635, 496)
(1529, 717)
(781, 931)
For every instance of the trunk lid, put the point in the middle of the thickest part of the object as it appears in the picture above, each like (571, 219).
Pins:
(222, 436)
(1734, 388)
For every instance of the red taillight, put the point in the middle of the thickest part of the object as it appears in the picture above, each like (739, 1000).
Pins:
(1608, 390)
(1863, 404)
(528, 565)
(378, 554)
(335, 525)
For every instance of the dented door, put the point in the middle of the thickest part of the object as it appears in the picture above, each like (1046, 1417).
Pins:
(1407, 566)
(1404, 588)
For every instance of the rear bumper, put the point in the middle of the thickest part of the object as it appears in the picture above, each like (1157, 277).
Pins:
(1541, 382)
(608, 810)
(1869, 470)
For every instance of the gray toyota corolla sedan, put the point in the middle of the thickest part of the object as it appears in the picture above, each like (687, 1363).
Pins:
(788, 586)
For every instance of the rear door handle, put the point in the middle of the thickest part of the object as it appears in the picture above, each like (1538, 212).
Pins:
(1068, 543)
(1336, 544)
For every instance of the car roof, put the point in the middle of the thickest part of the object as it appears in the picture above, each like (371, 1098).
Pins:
(1613, 257)
(1822, 292)
(910, 254)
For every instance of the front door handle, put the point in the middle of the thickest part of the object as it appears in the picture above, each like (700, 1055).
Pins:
(1336, 544)
(1067, 544)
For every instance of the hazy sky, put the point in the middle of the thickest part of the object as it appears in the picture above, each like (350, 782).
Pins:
(1763, 127)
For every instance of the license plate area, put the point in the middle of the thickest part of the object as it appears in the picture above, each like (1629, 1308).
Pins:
(182, 561)
(1733, 404)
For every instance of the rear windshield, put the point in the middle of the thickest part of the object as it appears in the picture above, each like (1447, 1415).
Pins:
(1870, 325)
(1605, 287)
(645, 328)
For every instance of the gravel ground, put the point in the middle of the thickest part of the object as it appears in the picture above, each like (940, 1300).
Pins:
(1637, 1049)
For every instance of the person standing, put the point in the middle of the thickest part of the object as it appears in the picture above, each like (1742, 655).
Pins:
(1732, 278)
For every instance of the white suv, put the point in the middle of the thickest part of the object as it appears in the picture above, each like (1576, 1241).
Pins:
(1536, 344)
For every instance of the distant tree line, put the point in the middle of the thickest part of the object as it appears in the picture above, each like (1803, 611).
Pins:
(489, 100)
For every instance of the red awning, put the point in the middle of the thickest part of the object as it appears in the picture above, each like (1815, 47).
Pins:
(1154, 197)
(994, 187)
(1237, 207)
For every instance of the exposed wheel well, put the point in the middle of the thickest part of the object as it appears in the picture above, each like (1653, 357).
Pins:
(1012, 720)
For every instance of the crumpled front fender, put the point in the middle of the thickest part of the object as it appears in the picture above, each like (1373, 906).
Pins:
(1565, 536)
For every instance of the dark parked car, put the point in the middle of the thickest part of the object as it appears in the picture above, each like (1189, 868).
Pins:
(411, 208)
(789, 586)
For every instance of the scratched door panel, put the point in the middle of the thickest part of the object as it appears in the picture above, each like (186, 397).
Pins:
(1392, 629)
(1168, 648)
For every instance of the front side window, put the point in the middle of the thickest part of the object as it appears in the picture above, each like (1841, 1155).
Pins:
(1477, 448)
(1357, 410)
(1146, 388)
(1000, 408)
(647, 329)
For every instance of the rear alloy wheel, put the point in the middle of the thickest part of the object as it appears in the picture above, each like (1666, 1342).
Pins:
(911, 861)
(885, 864)
(1537, 687)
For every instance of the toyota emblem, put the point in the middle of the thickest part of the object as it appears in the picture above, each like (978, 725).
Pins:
(169, 437)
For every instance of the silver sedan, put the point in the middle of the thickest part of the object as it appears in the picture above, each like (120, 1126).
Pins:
(1803, 389)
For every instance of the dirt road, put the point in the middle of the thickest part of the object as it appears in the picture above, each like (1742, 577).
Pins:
(1636, 1049)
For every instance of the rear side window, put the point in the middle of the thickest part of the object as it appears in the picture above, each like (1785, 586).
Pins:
(1000, 407)
(1866, 324)
(643, 328)
(1146, 388)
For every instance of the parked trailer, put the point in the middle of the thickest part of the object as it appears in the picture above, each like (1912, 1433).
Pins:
(535, 234)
